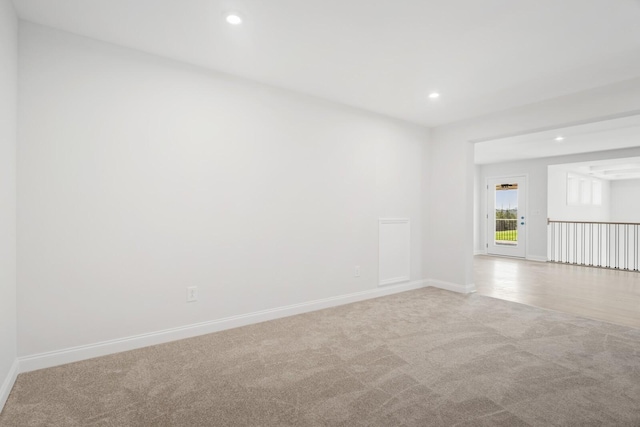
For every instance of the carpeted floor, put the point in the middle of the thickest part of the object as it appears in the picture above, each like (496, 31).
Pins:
(425, 357)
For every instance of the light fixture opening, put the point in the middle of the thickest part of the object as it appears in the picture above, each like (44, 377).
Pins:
(559, 138)
(434, 95)
(234, 19)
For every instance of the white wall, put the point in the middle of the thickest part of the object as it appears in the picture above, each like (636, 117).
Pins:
(559, 210)
(477, 220)
(449, 254)
(114, 144)
(625, 200)
(140, 176)
(535, 171)
(537, 183)
(8, 85)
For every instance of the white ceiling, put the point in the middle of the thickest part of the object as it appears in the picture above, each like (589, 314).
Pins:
(603, 135)
(381, 55)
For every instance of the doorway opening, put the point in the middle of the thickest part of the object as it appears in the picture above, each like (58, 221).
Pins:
(582, 224)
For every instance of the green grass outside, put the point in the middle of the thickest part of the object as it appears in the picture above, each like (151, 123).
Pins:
(510, 236)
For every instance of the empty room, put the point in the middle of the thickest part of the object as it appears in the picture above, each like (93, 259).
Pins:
(269, 213)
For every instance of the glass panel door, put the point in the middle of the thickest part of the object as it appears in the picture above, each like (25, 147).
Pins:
(506, 216)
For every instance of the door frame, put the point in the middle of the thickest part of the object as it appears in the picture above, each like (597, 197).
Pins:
(522, 229)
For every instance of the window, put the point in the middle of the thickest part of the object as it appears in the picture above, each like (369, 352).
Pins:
(573, 189)
(596, 188)
(583, 190)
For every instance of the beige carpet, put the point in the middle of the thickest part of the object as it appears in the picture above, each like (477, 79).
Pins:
(425, 357)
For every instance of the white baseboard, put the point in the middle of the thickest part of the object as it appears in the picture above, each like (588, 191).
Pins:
(75, 354)
(393, 281)
(536, 258)
(480, 252)
(453, 287)
(8, 383)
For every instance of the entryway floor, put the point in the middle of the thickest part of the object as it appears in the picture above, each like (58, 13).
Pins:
(596, 293)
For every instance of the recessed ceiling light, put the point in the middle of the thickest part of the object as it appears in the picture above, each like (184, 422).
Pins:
(234, 19)
(434, 95)
(559, 138)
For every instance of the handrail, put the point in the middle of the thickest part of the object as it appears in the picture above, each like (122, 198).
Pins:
(549, 221)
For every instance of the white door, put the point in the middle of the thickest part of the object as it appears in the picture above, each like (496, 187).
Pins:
(506, 216)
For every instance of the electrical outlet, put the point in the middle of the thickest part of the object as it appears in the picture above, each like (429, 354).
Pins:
(357, 271)
(192, 294)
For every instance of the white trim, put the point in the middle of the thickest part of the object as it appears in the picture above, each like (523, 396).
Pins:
(536, 258)
(394, 220)
(480, 252)
(453, 287)
(400, 279)
(394, 280)
(8, 383)
(74, 354)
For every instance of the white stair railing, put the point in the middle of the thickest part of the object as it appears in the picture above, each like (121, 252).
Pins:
(614, 245)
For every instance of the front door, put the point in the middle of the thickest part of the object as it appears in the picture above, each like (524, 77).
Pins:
(506, 215)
